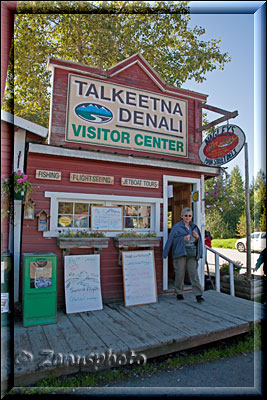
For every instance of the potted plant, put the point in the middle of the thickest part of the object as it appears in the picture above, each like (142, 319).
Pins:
(224, 270)
(250, 289)
(82, 239)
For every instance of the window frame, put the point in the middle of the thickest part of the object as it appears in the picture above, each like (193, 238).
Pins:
(106, 200)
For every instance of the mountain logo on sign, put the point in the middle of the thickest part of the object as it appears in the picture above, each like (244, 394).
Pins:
(94, 113)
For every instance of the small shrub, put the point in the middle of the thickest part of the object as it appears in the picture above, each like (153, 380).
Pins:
(225, 268)
(135, 234)
(81, 234)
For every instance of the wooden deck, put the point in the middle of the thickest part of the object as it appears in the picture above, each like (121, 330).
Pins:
(151, 330)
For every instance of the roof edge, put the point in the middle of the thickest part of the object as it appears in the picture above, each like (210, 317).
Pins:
(24, 124)
(114, 70)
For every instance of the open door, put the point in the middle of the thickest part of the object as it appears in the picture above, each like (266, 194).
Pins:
(181, 199)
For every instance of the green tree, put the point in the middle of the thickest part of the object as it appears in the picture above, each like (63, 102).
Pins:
(258, 202)
(237, 193)
(226, 195)
(217, 205)
(242, 225)
(216, 225)
(101, 34)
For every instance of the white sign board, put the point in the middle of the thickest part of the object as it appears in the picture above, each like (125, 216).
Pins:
(139, 277)
(107, 114)
(82, 283)
(4, 302)
(170, 191)
(106, 218)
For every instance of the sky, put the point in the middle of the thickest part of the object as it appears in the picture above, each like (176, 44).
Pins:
(234, 87)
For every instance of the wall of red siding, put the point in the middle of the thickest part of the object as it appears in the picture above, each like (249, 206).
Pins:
(6, 169)
(111, 272)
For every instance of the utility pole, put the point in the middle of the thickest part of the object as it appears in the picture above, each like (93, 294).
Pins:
(248, 227)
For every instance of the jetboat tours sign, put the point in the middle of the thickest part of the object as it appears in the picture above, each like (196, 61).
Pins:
(222, 145)
(113, 115)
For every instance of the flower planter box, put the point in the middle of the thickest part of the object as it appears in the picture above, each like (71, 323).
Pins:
(247, 289)
(82, 243)
(131, 241)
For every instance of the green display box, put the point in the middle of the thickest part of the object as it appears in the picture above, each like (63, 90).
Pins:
(6, 270)
(39, 294)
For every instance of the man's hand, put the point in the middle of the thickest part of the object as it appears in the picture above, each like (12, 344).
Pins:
(196, 236)
(187, 238)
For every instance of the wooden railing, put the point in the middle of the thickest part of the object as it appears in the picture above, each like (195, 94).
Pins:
(217, 255)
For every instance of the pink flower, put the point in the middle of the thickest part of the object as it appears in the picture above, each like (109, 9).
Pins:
(25, 177)
(19, 180)
(6, 180)
(3, 177)
(19, 172)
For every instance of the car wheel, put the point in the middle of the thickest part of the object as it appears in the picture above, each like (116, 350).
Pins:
(241, 247)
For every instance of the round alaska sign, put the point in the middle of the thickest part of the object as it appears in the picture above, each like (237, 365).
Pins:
(222, 145)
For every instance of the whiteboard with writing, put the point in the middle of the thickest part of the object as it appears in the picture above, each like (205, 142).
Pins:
(82, 283)
(139, 277)
(106, 218)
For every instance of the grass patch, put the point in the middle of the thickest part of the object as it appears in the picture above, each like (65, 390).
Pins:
(224, 243)
(229, 347)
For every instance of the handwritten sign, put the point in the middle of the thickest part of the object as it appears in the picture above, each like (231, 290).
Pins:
(106, 218)
(139, 277)
(82, 283)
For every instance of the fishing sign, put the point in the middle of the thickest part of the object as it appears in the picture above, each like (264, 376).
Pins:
(222, 145)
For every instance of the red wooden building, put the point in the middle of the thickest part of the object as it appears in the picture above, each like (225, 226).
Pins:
(121, 137)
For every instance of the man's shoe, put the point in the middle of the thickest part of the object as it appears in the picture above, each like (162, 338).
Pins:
(199, 299)
(180, 297)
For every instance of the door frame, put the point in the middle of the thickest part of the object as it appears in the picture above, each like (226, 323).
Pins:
(199, 217)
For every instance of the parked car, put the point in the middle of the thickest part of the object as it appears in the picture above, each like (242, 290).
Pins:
(258, 242)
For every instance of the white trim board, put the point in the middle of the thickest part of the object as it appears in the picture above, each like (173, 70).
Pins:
(125, 159)
(24, 124)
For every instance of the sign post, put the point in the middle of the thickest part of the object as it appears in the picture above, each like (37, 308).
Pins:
(220, 147)
(248, 227)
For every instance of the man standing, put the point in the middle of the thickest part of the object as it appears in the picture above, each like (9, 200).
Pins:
(187, 249)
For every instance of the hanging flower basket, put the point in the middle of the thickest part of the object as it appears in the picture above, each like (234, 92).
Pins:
(16, 185)
(19, 195)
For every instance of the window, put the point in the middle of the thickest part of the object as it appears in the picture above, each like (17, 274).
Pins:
(74, 214)
(136, 216)
(73, 211)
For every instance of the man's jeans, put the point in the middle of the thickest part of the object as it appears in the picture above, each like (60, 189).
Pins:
(180, 265)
